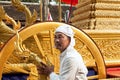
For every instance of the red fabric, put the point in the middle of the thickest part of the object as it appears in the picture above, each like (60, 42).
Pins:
(115, 72)
(73, 2)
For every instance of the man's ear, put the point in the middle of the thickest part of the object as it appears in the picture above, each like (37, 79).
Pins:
(69, 38)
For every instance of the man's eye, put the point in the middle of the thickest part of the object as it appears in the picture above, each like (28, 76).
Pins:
(58, 37)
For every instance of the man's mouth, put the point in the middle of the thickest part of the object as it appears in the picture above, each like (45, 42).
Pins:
(58, 45)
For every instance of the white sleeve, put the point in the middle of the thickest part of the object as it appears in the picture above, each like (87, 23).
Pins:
(54, 76)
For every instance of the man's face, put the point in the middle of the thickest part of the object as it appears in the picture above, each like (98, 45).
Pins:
(61, 41)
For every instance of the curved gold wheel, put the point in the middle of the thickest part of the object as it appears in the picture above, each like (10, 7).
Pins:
(42, 33)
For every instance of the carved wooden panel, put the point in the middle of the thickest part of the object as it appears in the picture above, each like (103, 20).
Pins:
(108, 42)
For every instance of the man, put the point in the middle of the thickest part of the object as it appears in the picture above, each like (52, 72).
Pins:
(71, 63)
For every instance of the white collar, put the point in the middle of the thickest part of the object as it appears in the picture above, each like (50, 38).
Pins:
(65, 51)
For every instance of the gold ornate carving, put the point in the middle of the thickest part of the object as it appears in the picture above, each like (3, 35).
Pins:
(24, 54)
(108, 42)
(49, 57)
(85, 52)
(97, 14)
(3, 26)
(8, 19)
(109, 48)
(30, 69)
(30, 18)
(6, 31)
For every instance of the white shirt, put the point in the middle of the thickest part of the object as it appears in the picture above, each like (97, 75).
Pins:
(71, 66)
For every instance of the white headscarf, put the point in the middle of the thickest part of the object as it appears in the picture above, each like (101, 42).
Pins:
(67, 30)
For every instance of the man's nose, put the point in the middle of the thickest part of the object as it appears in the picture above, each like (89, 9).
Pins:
(57, 40)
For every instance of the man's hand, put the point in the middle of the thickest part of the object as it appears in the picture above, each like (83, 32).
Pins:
(44, 69)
